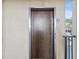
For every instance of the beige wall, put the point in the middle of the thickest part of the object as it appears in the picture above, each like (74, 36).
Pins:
(16, 27)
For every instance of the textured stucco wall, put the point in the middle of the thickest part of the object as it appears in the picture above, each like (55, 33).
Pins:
(16, 27)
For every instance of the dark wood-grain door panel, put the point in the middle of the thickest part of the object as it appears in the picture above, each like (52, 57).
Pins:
(41, 34)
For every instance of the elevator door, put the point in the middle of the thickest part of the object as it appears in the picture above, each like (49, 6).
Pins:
(42, 38)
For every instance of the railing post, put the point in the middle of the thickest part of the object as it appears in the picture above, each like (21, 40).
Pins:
(69, 46)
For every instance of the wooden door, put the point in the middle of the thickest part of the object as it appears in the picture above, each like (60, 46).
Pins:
(42, 34)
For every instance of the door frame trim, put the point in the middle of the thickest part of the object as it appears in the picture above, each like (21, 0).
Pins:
(54, 29)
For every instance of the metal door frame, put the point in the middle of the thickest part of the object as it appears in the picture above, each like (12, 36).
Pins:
(54, 28)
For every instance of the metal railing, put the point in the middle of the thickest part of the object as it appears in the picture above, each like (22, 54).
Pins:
(69, 46)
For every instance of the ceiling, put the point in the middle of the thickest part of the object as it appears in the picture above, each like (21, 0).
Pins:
(32, 0)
